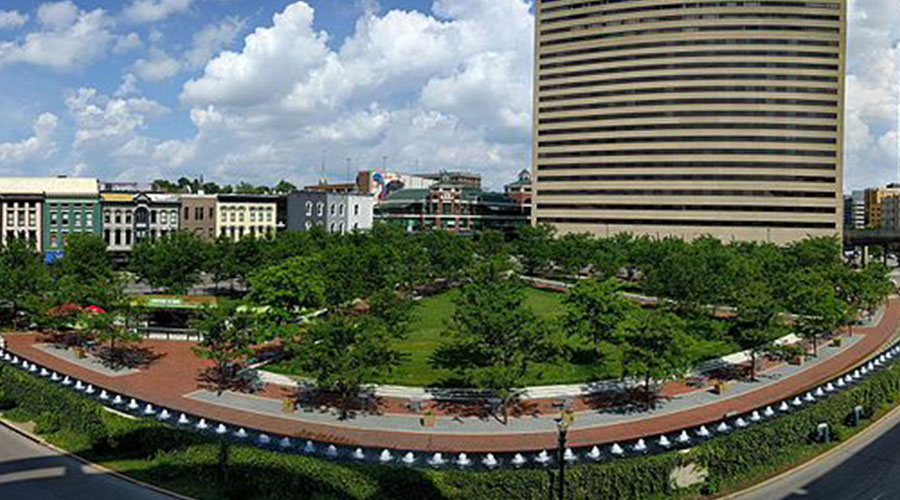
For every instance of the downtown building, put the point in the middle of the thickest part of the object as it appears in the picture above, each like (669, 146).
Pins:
(45, 211)
(687, 118)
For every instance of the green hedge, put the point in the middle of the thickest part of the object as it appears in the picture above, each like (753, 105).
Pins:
(190, 462)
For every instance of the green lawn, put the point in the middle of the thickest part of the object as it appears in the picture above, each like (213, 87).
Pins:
(428, 330)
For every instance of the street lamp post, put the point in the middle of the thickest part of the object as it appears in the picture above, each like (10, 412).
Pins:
(562, 426)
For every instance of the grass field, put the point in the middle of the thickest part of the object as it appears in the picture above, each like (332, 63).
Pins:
(429, 326)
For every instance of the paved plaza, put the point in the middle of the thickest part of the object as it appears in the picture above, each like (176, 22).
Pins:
(173, 382)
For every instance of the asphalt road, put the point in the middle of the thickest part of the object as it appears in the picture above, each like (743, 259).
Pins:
(29, 471)
(866, 469)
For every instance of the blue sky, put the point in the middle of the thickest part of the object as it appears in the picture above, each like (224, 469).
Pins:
(264, 90)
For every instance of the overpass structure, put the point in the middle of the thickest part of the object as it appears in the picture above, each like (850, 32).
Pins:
(865, 238)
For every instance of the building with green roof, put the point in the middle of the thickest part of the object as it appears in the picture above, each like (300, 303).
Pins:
(451, 206)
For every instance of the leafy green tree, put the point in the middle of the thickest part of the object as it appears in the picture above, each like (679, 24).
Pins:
(247, 256)
(494, 336)
(595, 311)
(85, 274)
(816, 303)
(534, 247)
(655, 347)
(574, 252)
(222, 262)
(342, 352)
(107, 327)
(85, 259)
(611, 256)
(173, 262)
(491, 243)
(226, 336)
(876, 287)
(285, 187)
(287, 290)
(24, 282)
(758, 323)
(449, 254)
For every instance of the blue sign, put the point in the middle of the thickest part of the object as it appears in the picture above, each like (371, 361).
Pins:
(53, 255)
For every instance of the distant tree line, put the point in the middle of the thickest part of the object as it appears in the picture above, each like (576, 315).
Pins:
(186, 185)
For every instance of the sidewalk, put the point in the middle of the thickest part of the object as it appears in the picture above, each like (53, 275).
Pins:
(172, 382)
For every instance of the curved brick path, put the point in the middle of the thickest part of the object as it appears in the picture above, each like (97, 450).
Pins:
(175, 375)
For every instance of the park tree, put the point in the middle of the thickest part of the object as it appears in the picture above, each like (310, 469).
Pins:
(491, 243)
(611, 255)
(449, 254)
(173, 262)
(817, 305)
(681, 276)
(287, 290)
(85, 274)
(875, 288)
(24, 282)
(574, 252)
(493, 336)
(655, 347)
(226, 334)
(595, 311)
(247, 257)
(221, 264)
(343, 352)
(109, 327)
(534, 247)
(758, 322)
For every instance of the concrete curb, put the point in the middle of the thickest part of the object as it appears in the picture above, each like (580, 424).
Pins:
(118, 475)
(872, 428)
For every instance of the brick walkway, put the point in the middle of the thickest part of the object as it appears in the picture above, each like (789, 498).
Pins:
(176, 374)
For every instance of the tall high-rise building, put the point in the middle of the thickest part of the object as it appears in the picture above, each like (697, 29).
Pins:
(685, 118)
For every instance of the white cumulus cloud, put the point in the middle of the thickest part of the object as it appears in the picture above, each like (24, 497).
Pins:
(12, 19)
(40, 145)
(151, 11)
(211, 39)
(69, 39)
(157, 67)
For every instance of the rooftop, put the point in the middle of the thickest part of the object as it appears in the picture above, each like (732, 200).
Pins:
(51, 186)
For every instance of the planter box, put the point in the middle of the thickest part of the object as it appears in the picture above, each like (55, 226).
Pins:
(837, 342)
(287, 405)
(797, 360)
(79, 353)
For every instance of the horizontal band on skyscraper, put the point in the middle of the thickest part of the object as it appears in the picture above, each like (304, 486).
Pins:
(674, 77)
(685, 90)
(683, 102)
(683, 223)
(689, 17)
(686, 43)
(668, 6)
(695, 138)
(686, 164)
(692, 29)
(705, 53)
(683, 152)
(687, 192)
(690, 113)
(688, 177)
(689, 126)
(687, 208)
(691, 65)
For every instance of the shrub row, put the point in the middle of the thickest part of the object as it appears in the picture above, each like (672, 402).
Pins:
(169, 453)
